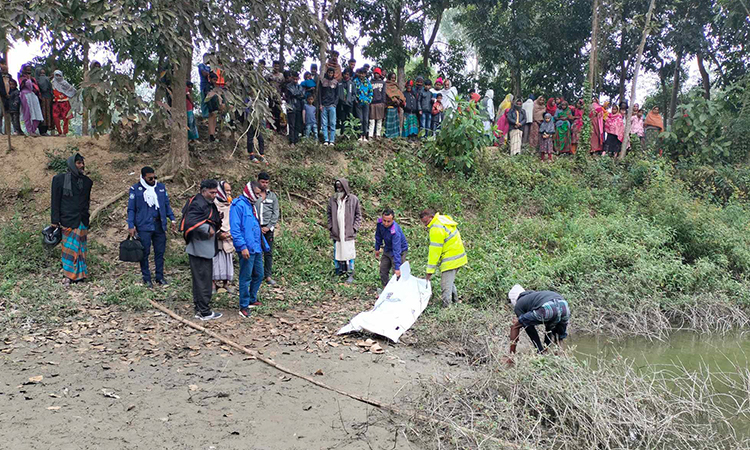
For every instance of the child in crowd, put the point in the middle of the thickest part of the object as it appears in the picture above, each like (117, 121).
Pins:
(14, 106)
(546, 131)
(615, 129)
(636, 125)
(425, 106)
(309, 118)
(309, 83)
(437, 111)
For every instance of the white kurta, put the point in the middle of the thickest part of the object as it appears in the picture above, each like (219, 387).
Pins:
(344, 249)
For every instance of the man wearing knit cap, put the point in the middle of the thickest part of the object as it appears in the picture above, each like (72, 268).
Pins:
(533, 308)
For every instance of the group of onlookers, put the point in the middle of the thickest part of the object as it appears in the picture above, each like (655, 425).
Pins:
(42, 102)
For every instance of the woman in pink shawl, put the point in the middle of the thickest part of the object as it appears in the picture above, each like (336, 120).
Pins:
(32, 112)
(615, 129)
(597, 127)
(503, 127)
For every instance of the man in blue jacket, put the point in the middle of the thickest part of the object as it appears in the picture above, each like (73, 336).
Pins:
(249, 243)
(148, 211)
(388, 235)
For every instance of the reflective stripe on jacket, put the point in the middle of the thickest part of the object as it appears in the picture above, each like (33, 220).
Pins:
(446, 246)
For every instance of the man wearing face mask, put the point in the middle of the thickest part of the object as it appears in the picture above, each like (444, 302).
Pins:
(534, 308)
(148, 211)
(344, 218)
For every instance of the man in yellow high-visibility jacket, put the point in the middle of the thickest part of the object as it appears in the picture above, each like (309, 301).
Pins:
(446, 249)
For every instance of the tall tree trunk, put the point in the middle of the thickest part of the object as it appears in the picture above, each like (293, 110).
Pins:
(623, 55)
(675, 87)
(626, 139)
(704, 77)
(427, 46)
(515, 75)
(594, 46)
(282, 34)
(85, 118)
(179, 158)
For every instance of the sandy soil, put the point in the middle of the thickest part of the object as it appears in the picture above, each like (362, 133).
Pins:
(179, 388)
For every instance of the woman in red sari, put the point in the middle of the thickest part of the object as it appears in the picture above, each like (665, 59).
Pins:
(575, 132)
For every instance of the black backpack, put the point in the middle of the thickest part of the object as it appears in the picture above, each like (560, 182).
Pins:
(131, 250)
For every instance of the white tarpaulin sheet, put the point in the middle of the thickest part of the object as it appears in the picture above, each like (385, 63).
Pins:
(397, 308)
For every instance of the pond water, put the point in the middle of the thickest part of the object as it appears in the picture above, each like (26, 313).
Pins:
(728, 353)
(689, 349)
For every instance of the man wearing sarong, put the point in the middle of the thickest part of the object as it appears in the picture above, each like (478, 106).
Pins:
(71, 197)
(534, 308)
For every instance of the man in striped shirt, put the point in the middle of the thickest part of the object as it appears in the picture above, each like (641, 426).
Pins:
(534, 308)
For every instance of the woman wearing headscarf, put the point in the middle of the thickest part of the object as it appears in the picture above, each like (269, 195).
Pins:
(30, 109)
(487, 109)
(62, 92)
(411, 107)
(546, 131)
(551, 106)
(563, 120)
(394, 99)
(538, 117)
(224, 259)
(45, 100)
(503, 127)
(597, 127)
(615, 129)
(653, 125)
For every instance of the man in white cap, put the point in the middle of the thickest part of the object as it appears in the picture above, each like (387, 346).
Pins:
(533, 308)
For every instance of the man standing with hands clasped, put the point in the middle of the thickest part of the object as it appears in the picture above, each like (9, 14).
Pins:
(446, 249)
(148, 211)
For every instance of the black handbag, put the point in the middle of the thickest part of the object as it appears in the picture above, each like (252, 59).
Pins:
(131, 250)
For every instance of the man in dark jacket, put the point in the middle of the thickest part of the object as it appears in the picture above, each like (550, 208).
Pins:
(377, 106)
(346, 99)
(329, 98)
(391, 239)
(200, 222)
(268, 215)
(295, 97)
(148, 211)
(71, 198)
(533, 308)
(424, 98)
(344, 218)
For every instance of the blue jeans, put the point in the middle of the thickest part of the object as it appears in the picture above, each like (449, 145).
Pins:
(310, 130)
(251, 276)
(328, 124)
(425, 122)
(159, 239)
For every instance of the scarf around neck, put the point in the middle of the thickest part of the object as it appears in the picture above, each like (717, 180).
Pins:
(149, 194)
(72, 172)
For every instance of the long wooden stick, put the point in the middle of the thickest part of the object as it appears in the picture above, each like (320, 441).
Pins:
(122, 194)
(279, 367)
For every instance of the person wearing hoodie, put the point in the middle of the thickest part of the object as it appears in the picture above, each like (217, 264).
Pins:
(329, 98)
(516, 121)
(528, 108)
(424, 99)
(446, 250)
(546, 131)
(390, 238)
(377, 106)
(249, 244)
(487, 109)
(345, 107)
(344, 218)
(534, 308)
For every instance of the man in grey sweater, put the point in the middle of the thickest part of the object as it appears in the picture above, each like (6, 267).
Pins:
(268, 215)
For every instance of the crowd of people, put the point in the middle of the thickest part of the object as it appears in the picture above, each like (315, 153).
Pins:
(42, 102)
(215, 226)
(322, 105)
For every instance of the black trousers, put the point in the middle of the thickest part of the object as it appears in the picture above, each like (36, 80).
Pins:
(251, 133)
(342, 114)
(294, 119)
(202, 270)
(268, 256)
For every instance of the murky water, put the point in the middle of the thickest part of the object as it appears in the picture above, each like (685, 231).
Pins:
(691, 350)
(703, 353)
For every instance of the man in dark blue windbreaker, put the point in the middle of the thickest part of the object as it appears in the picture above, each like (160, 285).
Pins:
(391, 239)
(148, 211)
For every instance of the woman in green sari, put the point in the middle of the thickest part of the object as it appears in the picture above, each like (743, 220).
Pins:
(563, 120)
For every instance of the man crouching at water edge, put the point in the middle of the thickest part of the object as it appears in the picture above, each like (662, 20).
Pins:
(533, 308)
